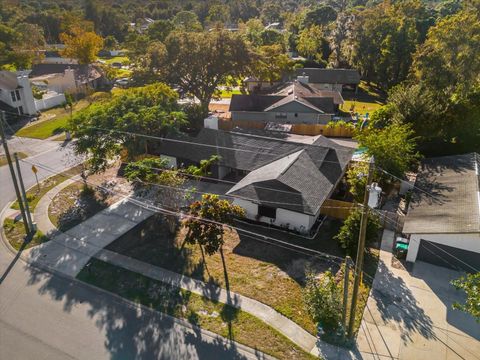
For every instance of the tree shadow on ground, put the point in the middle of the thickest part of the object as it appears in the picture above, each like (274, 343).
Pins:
(130, 331)
(87, 205)
(395, 302)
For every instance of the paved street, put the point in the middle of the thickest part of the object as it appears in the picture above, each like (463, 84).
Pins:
(49, 317)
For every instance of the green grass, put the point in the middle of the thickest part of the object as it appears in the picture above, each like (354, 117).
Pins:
(35, 194)
(226, 94)
(210, 315)
(111, 60)
(55, 122)
(15, 233)
(367, 99)
(3, 158)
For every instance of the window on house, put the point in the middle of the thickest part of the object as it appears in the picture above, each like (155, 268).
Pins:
(281, 115)
(267, 211)
(18, 95)
(296, 115)
(13, 96)
(20, 110)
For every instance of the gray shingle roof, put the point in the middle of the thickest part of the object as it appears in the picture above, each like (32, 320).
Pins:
(83, 73)
(317, 100)
(454, 208)
(8, 80)
(310, 172)
(330, 76)
(293, 182)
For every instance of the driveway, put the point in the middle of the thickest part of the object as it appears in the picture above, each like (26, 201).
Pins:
(409, 315)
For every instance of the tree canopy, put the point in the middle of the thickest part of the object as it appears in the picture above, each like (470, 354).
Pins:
(81, 45)
(150, 110)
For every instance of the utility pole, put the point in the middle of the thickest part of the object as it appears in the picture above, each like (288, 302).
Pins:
(24, 194)
(361, 249)
(12, 173)
(346, 280)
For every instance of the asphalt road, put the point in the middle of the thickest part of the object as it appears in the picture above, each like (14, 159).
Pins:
(44, 316)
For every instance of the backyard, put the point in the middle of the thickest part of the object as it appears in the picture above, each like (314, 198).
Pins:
(367, 99)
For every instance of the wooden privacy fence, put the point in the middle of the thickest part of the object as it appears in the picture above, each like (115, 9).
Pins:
(391, 220)
(337, 209)
(299, 129)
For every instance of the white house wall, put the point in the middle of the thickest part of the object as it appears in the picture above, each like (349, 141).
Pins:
(285, 218)
(469, 242)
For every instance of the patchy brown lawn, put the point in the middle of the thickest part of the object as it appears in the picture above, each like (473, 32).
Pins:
(15, 233)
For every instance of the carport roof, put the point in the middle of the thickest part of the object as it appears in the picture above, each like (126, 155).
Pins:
(453, 206)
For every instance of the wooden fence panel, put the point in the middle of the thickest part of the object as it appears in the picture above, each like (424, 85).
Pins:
(337, 209)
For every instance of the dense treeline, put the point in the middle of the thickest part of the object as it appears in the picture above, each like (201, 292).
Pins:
(424, 53)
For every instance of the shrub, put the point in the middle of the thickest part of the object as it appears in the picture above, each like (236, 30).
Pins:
(350, 231)
(322, 297)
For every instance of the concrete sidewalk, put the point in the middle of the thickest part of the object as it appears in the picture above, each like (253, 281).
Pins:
(409, 315)
(69, 252)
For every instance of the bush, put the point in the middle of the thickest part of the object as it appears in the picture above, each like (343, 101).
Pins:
(322, 297)
(350, 231)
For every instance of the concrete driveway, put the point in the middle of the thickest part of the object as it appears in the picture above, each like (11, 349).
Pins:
(409, 315)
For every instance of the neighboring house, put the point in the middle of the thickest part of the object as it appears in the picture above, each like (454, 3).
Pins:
(330, 79)
(71, 78)
(295, 102)
(283, 183)
(255, 85)
(444, 225)
(16, 94)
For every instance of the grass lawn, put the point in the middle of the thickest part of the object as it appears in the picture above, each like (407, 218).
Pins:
(270, 274)
(216, 317)
(3, 158)
(111, 60)
(226, 94)
(367, 99)
(34, 194)
(15, 233)
(52, 122)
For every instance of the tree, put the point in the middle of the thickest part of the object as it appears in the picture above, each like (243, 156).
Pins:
(384, 38)
(350, 232)
(452, 45)
(151, 66)
(393, 147)
(470, 284)
(164, 185)
(357, 179)
(272, 37)
(320, 16)
(187, 21)
(81, 45)
(150, 110)
(323, 299)
(110, 43)
(160, 29)
(218, 14)
(197, 63)
(205, 224)
(271, 63)
(313, 45)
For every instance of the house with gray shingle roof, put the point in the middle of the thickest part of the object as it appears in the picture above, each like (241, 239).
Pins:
(443, 218)
(283, 183)
(290, 103)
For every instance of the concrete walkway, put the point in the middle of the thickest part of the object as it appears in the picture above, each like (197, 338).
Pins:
(409, 315)
(69, 252)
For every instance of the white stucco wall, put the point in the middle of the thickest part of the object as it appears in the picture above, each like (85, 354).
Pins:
(49, 100)
(469, 242)
(294, 220)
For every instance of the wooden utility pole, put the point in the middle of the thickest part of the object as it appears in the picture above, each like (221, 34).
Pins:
(346, 280)
(24, 194)
(361, 249)
(12, 173)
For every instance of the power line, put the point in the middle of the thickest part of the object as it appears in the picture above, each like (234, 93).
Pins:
(161, 210)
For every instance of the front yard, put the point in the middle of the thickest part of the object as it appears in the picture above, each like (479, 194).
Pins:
(222, 319)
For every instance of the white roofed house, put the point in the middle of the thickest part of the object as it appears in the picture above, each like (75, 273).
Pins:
(443, 218)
